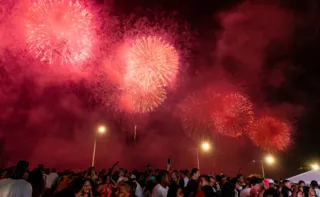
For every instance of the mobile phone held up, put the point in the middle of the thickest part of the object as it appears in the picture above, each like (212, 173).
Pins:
(169, 161)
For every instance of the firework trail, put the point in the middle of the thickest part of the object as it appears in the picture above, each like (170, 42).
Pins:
(234, 115)
(270, 134)
(59, 31)
(151, 61)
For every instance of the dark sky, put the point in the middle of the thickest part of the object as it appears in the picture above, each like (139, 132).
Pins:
(278, 67)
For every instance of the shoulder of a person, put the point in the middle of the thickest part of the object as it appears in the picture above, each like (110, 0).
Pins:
(24, 182)
(4, 181)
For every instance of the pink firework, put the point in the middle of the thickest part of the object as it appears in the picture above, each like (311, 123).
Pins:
(59, 31)
(136, 99)
(151, 61)
(234, 115)
(270, 134)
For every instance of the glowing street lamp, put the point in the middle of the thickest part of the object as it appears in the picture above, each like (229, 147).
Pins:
(205, 146)
(101, 130)
(315, 166)
(269, 160)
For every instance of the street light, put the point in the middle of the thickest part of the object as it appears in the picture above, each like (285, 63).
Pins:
(269, 160)
(100, 130)
(205, 146)
(315, 166)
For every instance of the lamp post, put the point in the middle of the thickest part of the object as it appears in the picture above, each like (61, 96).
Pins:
(205, 146)
(269, 160)
(101, 129)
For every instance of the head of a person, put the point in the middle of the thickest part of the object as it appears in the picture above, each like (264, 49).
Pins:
(268, 183)
(180, 192)
(204, 180)
(164, 178)
(156, 172)
(91, 170)
(174, 175)
(127, 173)
(195, 173)
(41, 167)
(124, 190)
(47, 171)
(300, 194)
(121, 173)
(314, 184)
(240, 178)
(302, 183)
(311, 192)
(21, 169)
(106, 179)
(212, 180)
(149, 167)
(255, 183)
(286, 183)
(223, 179)
(271, 183)
(54, 170)
(35, 178)
(87, 186)
(235, 183)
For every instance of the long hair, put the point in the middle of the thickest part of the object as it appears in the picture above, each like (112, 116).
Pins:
(93, 189)
(35, 178)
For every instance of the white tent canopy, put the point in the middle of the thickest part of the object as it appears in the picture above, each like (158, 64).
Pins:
(307, 177)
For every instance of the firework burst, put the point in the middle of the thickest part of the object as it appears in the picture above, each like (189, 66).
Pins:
(151, 61)
(140, 100)
(234, 115)
(59, 31)
(270, 134)
(196, 111)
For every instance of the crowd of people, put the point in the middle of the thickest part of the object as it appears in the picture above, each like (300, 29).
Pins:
(18, 181)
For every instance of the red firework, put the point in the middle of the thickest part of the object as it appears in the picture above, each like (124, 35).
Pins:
(151, 61)
(59, 31)
(234, 115)
(196, 110)
(270, 134)
(136, 99)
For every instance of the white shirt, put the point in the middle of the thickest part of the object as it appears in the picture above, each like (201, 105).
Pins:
(122, 178)
(159, 191)
(139, 192)
(185, 180)
(317, 191)
(53, 178)
(245, 192)
(47, 180)
(15, 188)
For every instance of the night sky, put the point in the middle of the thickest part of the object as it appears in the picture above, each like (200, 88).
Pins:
(277, 66)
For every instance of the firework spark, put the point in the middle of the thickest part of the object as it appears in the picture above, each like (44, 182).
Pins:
(151, 61)
(270, 134)
(59, 31)
(234, 115)
(196, 111)
(139, 100)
